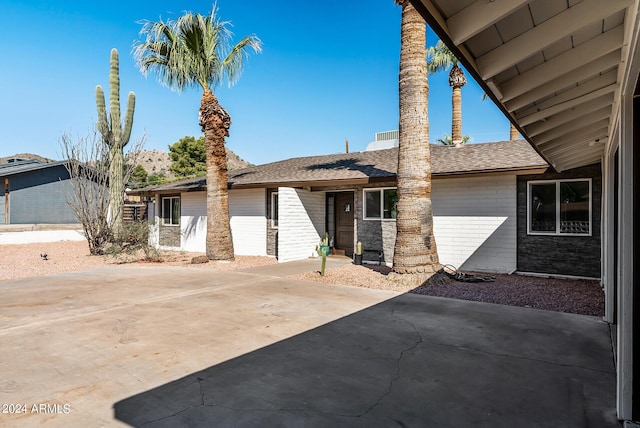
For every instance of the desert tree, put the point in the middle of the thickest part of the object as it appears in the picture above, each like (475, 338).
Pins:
(89, 167)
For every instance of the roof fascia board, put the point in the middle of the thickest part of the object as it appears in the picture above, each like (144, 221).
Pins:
(494, 172)
(317, 183)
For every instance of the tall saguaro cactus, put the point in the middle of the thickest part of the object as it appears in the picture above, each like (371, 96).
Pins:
(115, 135)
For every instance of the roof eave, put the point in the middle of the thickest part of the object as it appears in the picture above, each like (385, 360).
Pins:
(536, 169)
(437, 23)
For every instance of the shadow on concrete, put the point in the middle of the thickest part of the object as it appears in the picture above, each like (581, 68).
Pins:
(407, 362)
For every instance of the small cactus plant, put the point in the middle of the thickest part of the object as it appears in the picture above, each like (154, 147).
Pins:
(359, 248)
(115, 136)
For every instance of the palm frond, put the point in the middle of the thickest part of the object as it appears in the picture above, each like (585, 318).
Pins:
(446, 140)
(233, 62)
(193, 50)
(440, 58)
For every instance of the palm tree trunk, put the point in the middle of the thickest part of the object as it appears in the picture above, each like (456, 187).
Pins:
(456, 116)
(215, 123)
(415, 255)
(513, 132)
(457, 80)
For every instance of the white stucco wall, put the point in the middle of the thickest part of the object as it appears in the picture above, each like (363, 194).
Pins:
(193, 221)
(154, 222)
(301, 222)
(475, 222)
(247, 215)
(247, 209)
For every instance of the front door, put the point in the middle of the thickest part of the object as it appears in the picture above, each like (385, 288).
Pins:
(344, 210)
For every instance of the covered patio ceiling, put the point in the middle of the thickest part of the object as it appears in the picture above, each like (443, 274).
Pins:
(553, 66)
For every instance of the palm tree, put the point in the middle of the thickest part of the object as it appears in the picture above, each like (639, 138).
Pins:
(514, 134)
(415, 255)
(439, 58)
(446, 140)
(196, 51)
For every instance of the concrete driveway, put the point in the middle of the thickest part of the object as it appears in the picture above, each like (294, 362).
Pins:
(172, 346)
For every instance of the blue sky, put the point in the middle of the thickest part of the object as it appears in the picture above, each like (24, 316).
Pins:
(328, 72)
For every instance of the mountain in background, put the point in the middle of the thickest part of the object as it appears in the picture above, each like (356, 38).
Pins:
(26, 156)
(158, 162)
(153, 161)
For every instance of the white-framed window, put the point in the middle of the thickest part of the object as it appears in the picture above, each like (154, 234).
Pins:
(274, 210)
(559, 207)
(380, 204)
(171, 210)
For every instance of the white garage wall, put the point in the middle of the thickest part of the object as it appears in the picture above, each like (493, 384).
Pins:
(301, 222)
(475, 222)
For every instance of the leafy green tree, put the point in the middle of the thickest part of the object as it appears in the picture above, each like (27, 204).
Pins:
(139, 176)
(188, 157)
(196, 51)
(155, 179)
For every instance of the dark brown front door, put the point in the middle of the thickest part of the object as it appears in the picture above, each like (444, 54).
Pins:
(344, 222)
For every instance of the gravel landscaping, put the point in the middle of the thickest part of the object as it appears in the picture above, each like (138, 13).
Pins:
(25, 260)
(564, 295)
(576, 296)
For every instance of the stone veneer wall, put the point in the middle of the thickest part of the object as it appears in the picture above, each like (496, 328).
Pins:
(170, 236)
(564, 255)
(374, 234)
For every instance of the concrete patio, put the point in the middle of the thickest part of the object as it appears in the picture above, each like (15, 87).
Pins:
(172, 346)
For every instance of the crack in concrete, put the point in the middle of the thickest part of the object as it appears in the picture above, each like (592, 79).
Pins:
(164, 418)
(398, 364)
(505, 355)
(201, 391)
(173, 415)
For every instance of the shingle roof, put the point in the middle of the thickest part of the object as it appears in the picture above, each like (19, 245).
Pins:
(374, 165)
(19, 167)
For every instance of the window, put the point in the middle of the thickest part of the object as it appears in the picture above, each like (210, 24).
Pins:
(274, 210)
(171, 210)
(380, 204)
(559, 207)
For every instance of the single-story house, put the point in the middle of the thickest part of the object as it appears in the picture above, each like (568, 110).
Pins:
(34, 192)
(482, 197)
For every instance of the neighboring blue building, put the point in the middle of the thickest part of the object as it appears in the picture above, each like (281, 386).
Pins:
(34, 192)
